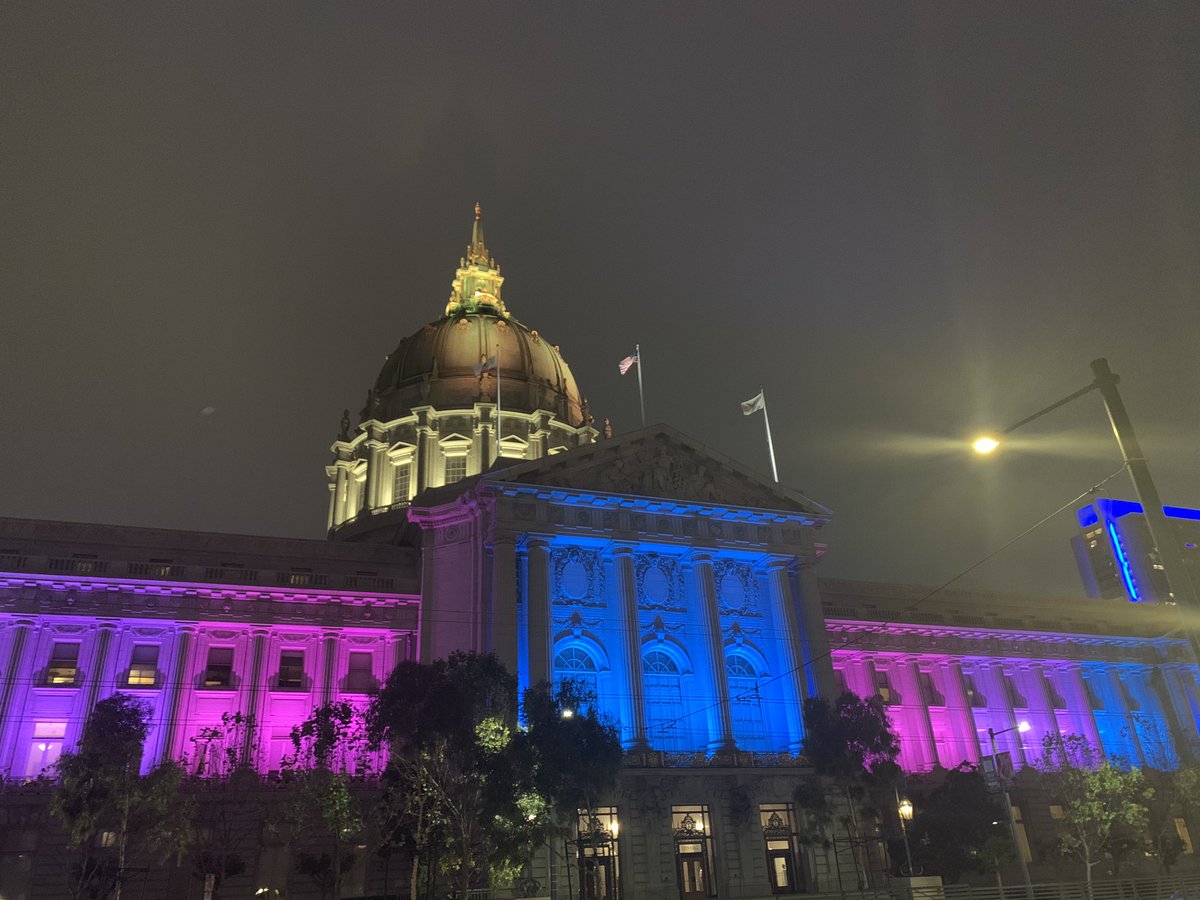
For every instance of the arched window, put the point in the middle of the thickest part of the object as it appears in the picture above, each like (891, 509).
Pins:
(575, 664)
(745, 703)
(665, 725)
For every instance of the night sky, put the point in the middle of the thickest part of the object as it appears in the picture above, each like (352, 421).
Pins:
(906, 221)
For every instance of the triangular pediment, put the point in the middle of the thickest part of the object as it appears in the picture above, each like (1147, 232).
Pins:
(659, 463)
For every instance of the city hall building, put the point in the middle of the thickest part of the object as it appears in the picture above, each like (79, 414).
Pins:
(475, 505)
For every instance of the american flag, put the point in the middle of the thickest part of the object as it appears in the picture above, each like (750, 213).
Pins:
(627, 363)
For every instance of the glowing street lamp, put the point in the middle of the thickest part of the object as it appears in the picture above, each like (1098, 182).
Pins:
(1021, 727)
(1162, 536)
(985, 444)
(904, 809)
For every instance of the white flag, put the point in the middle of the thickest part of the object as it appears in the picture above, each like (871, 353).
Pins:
(754, 404)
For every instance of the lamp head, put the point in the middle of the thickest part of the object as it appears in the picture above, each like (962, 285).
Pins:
(985, 444)
(905, 808)
(1023, 727)
(568, 713)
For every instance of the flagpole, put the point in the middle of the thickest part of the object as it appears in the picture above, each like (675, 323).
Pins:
(637, 351)
(770, 443)
(498, 397)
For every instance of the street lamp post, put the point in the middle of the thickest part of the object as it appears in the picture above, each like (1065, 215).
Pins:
(1179, 582)
(1020, 727)
(904, 809)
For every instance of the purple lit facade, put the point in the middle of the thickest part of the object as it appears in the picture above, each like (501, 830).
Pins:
(198, 637)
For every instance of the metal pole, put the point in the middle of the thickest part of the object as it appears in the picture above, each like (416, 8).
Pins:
(1012, 823)
(1162, 534)
(904, 834)
(637, 351)
(770, 444)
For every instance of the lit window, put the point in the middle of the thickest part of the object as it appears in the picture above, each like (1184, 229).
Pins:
(46, 747)
(780, 841)
(1056, 811)
(219, 671)
(401, 482)
(291, 669)
(599, 853)
(456, 468)
(1022, 837)
(360, 678)
(883, 687)
(64, 665)
(693, 857)
(1185, 836)
(143, 665)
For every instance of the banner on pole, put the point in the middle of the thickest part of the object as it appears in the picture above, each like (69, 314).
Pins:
(754, 404)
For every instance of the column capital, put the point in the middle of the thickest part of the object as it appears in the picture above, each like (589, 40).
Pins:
(622, 550)
(186, 629)
(700, 557)
(774, 564)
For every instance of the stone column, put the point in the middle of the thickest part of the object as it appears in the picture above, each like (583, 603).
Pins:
(99, 661)
(504, 600)
(378, 470)
(255, 695)
(959, 711)
(631, 646)
(537, 599)
(329, 642)
(341, 493)
(721, 739)
(18, 671)
(1001, 712)
(783, 611)
(1080, 703)
(916, 714)
(181, 683)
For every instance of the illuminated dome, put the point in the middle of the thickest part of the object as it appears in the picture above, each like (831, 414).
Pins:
(438, 413)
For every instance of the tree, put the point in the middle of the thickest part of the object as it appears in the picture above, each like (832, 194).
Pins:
(852, 742)
(463, 787)
(1103, 810)
(101, 791)
(324, 811)
(575, 758)
(954, 822)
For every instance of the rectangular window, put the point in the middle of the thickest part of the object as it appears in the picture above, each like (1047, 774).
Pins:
(1185, 836)
(64, 665)
(599, 860)
(1056, 811)
(219, 671)
(401, 482)
(883, 687)
(291, 669)
(779, 839)
(360, 677)
(46, 747)
(1057, 701)
(1022, 838)
(143, 665)
(1131, 701)
(1016, 700)
(839, 681)
(929, 692)
(974, 697)
(456, 468)
(693, 854)
(1094, 698)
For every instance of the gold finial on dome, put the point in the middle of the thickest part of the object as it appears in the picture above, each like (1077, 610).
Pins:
(477, 252)
(477, 282)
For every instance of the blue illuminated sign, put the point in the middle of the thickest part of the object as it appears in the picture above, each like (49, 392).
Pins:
(1123, 562)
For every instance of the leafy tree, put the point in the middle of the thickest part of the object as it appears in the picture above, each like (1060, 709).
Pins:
(1105, 812)
(954, 822)
(574, 757)
(324, 812)
(101, 790)
(463, 785)
(851, 741)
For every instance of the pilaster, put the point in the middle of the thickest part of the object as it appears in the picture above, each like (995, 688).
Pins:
(180, 682)
(329, 652)
(537, 599)
(255, 694)
(721, 739)
(791, 660)
(634, 711)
